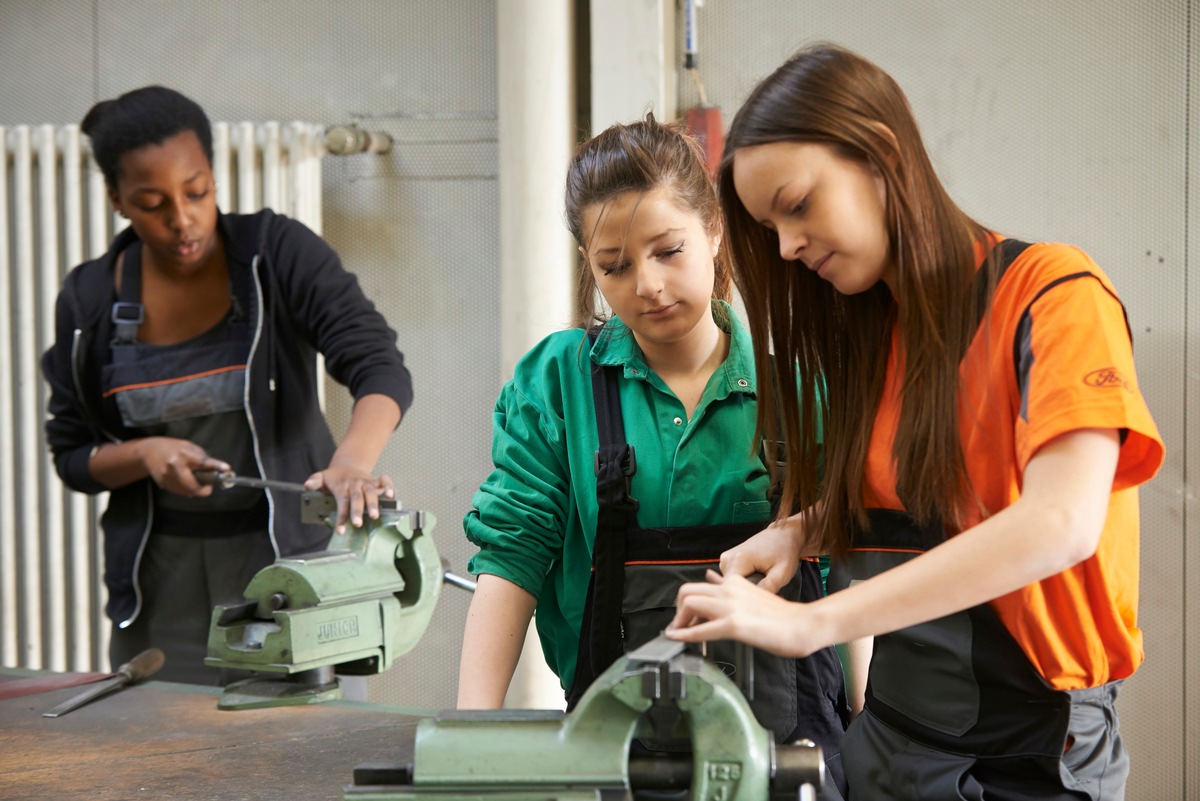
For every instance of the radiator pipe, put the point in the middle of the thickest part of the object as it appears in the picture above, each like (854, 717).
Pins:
(344, 140)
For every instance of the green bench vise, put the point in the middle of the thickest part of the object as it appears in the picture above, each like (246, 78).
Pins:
(584, 755)
(354, 607)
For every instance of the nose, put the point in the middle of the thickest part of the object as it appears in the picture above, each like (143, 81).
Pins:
(649, 279)
(792, 242)
(181, 215)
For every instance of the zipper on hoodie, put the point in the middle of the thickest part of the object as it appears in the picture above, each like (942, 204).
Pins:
(258, 327)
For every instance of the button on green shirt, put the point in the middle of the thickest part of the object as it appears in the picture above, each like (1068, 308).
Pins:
(535, 515)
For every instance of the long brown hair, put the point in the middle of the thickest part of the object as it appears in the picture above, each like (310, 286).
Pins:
(839, 343)
(638, 157)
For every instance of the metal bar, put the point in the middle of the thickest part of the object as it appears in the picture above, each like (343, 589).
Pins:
(25, 396)
(79, 518)
(221, 175)
(8, 518)
(268, 141)
(51, 523)
(345, 140)
(247, 167)
(227, 479)
(98, 238)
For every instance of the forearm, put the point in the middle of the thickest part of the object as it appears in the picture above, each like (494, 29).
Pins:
(1055, 524)
(171, 463)
(492, 639)
(117, 465)
(372, 422)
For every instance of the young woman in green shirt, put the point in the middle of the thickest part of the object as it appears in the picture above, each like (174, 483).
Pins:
(644, 213)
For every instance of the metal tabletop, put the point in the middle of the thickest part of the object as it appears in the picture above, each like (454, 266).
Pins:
(169, 741)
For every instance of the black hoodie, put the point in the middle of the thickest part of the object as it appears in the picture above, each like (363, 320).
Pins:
(303, 301)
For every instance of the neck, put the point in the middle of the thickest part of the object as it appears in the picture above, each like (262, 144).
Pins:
(701, 351)
(212, 268)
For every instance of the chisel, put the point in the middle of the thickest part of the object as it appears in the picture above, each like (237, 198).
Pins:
(227, 479)
(133, 671)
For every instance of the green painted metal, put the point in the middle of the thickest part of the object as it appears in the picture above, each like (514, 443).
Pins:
(513, 755)
(362, 602)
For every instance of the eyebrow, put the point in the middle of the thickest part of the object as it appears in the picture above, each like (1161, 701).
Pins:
(653, 239)
(152, 190)
(775, 197)
(774, 204)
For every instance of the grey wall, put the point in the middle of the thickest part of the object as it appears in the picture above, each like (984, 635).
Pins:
(418, 226)
(1062, 120)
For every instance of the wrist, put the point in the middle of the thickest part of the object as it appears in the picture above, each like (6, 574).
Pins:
(821, 625)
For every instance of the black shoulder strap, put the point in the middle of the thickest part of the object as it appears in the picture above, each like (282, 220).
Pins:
(774, 451)
(1006, 252)
(128, 313)
(1023, 356)
(615, 465)
(615, 459)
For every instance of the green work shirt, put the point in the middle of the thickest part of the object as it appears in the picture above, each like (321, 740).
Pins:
(535, 515)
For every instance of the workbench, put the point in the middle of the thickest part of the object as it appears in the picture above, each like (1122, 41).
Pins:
(159, 740)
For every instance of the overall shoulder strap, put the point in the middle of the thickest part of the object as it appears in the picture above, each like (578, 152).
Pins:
(1006, 252)
(615, 464)
(615, 461)
(128, 313)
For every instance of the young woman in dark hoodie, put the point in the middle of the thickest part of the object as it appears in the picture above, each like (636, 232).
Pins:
(191, 345)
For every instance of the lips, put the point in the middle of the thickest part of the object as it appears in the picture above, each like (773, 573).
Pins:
(658, 311)
(186, 248)
(819, 265)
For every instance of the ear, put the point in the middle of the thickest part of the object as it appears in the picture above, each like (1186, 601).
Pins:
(115, 200)
(582, 254)
(715, 240)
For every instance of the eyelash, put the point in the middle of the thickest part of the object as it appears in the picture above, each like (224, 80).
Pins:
(193, 197)
(617, 269)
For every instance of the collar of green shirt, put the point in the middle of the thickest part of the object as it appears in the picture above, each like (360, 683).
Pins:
(616, 346)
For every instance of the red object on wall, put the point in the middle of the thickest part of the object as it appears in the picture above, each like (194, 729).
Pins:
(704, 123)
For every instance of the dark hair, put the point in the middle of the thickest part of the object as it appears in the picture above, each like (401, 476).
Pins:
(638, 157)
(828, 95)
(147, 116)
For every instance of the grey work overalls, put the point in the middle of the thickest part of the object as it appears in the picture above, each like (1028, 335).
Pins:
(954, 709)
(636, 573)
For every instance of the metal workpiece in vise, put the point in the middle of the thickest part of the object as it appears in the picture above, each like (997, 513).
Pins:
(351, 608)
(584, 754)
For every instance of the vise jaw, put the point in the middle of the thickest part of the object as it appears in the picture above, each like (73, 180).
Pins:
(356, 606)
(524, 755)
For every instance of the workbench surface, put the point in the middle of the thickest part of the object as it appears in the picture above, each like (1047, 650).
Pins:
(169, 741)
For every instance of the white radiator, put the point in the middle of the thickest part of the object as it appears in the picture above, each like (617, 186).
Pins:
(54, 214)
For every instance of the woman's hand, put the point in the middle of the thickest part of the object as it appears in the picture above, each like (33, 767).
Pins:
(353, 490)
(732, 608)
(172, 463)
(773, 552)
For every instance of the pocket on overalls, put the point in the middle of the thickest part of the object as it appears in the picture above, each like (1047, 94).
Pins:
(1094, 759)
(166, 387)
(752, 511)
(925, 673)
(648, 604)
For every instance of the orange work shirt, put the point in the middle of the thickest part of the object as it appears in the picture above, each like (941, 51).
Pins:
(1056, 324)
